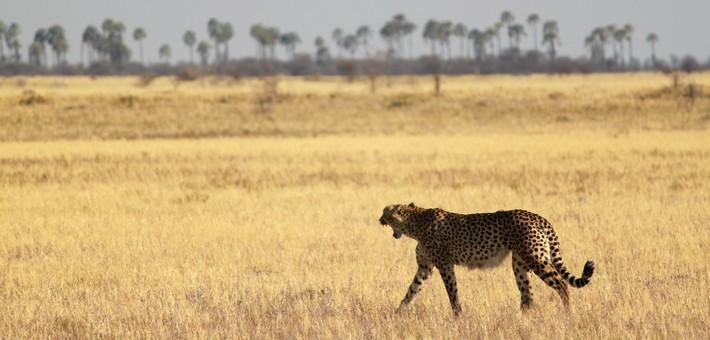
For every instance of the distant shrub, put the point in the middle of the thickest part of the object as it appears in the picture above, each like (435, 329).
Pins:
(689, 64)
(232, 70)
(348, 68)
(30, 97)
(188, 73)
(301, 65)
(564, 65)
(128, 101)
(431, 64)
(269, 94)
(147, 78)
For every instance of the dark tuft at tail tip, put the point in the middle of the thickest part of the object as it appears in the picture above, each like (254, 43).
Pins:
(588, 269)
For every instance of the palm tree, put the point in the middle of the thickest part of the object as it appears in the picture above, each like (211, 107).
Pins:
(89, 37)
(257, 32)
(56, 38)
(164, 53)
(394, 32)
(321, 50)
(337, 36)
(652, 39)
(203, 48)
(363, 34)
(389, 33)
(271, 38)
(551, 37)
(533, 20)
(138, 35)
(430, 33)
(213, 27)
(397, 22)
(35, 53)
(111, 43)
(12, 34)
(100, 44)
(490, 33)
(285, 41)
(107, 25)
(62, 48)
(515, 32)
(592, 42)
(479, 40)
(295, 40)
(16, 45)
(629, 30)
(190, 39)
(289, 41)
(350, 44)
(610, 29)
(3, 28)
(407, 28)
(619, 35)
(265, 37)
(444, 35)
(507, 18)
(460, 30)
(601, 34)
(39, 45)
(225, 34)
(495, 32)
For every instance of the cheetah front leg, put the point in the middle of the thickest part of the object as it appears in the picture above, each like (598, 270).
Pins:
(449, 277)
(423, 273)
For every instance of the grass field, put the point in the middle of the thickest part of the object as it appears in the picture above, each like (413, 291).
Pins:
(248, 209)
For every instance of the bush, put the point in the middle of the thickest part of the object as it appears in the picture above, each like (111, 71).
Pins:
(348, 68)
(689, 64)
(30, 97)
(188, 73)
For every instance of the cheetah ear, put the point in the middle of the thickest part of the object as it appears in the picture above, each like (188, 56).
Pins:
(411, 205)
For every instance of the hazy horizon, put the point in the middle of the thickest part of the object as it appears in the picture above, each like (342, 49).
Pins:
(681, 26)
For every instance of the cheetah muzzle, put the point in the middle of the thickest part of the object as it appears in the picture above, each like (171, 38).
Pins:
(388, 216)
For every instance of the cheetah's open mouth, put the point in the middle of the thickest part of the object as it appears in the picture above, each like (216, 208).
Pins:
(396, 234)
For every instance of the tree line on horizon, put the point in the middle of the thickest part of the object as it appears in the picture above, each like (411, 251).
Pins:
(448, 42)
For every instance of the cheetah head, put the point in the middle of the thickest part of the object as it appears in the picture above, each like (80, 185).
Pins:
(397, 216)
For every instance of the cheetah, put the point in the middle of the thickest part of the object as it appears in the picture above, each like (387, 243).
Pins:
(482, 240)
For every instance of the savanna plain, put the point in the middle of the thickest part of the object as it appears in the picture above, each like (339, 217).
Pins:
(248, 208)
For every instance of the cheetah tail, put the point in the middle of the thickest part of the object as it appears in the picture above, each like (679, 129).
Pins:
(574, 281)
(560, 266)
(587, 272)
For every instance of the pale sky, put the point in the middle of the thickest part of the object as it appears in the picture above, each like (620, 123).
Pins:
(682, 25)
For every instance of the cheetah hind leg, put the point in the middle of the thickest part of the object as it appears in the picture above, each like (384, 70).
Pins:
(548, 274)
(448, 275)
(520, 269)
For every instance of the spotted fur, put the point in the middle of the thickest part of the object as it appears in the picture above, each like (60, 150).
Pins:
(446, 239)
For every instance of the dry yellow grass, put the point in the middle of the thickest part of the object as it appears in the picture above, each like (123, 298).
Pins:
(277, 236)
(118, 108)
